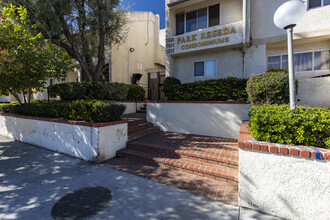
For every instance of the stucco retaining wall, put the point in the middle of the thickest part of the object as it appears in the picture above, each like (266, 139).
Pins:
(4, 99)
(292, 182)
(131, 107)
(89, 141)
(220, 119)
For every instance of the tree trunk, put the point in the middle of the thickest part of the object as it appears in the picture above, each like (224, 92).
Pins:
(29, 95)
(110, 64)
(16, 96)
(101, 49)
(24, 96)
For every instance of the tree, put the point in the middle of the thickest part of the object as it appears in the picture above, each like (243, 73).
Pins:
(84, 28)
(27, 60)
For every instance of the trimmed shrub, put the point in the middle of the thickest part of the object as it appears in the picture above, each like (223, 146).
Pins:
(271, 87)
(168, 82)
(91, 111)
(303, 126)
(89, 91)
(136, 93)
(228, 89)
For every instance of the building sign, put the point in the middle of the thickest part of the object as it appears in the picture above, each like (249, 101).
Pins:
(219, 36)
(153, 75)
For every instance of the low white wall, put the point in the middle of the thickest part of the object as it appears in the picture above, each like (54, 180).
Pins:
(285, 186)
(220, 120)
(4, 99)
(84, 142)
(130, 107)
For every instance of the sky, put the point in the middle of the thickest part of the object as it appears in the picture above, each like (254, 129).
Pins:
(155, 6)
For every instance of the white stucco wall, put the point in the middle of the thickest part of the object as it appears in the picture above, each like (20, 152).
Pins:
(110, 140)
(255, 60)
(220, 120)
(130, 107)
(4, 99)
(316, 22)
(284, 186)
(314, 92)
(84, 142)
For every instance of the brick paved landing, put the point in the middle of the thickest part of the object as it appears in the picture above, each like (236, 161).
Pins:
(216, 190)
(206, 166)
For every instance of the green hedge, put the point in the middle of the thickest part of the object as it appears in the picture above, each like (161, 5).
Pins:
(228, 89)
(91, 111)
(269, 88)
(168, 82)
(136, 93)
(89, 91)
(303, 126)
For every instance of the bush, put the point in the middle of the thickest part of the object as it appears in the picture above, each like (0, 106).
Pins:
(228, 89)
(135, 93)
(168, 82)
(303, 126)
(271, 87)
(91, 111)
(89, 91)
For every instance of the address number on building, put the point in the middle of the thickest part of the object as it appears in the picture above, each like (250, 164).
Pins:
(170, 46)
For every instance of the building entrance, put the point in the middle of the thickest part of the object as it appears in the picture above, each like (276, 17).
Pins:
(155, 86)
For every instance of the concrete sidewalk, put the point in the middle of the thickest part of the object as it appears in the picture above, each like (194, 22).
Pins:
(32, 180)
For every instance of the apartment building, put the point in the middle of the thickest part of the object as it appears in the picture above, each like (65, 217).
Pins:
(208, 39)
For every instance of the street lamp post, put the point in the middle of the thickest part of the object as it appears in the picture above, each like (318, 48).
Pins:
(287, 17)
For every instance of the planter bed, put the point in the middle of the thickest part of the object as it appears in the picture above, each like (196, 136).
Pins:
(291, 182)
(85, 140)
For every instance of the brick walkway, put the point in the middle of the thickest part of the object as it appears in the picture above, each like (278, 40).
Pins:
(206, 166)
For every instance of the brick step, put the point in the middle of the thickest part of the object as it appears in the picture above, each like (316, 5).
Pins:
(141, 133)
(140, 126)
(141, 111)
(226, 157)
(214, 171)
(134, 121)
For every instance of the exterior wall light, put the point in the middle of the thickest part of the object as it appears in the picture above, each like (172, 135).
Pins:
(287, 16)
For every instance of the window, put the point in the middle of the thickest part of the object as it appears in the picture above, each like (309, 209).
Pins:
(191, 21)
(198, 19)
(205, 68)
(274, 62)
(317, 3)
(214, 18)
(322, 60)
(180, 23)
(199, 68)
(307, 61)
(303, 61)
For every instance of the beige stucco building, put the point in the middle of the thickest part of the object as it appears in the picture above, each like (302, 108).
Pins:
(142, 52)
(220, 38)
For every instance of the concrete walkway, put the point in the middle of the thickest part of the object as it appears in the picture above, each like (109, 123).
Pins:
(32, 180)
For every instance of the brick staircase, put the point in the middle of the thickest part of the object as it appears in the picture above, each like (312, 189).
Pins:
(143, 109)
(212, 157)
(138, 127)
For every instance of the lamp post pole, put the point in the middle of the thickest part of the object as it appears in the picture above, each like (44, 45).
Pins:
(287, 16)
(292, 78)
